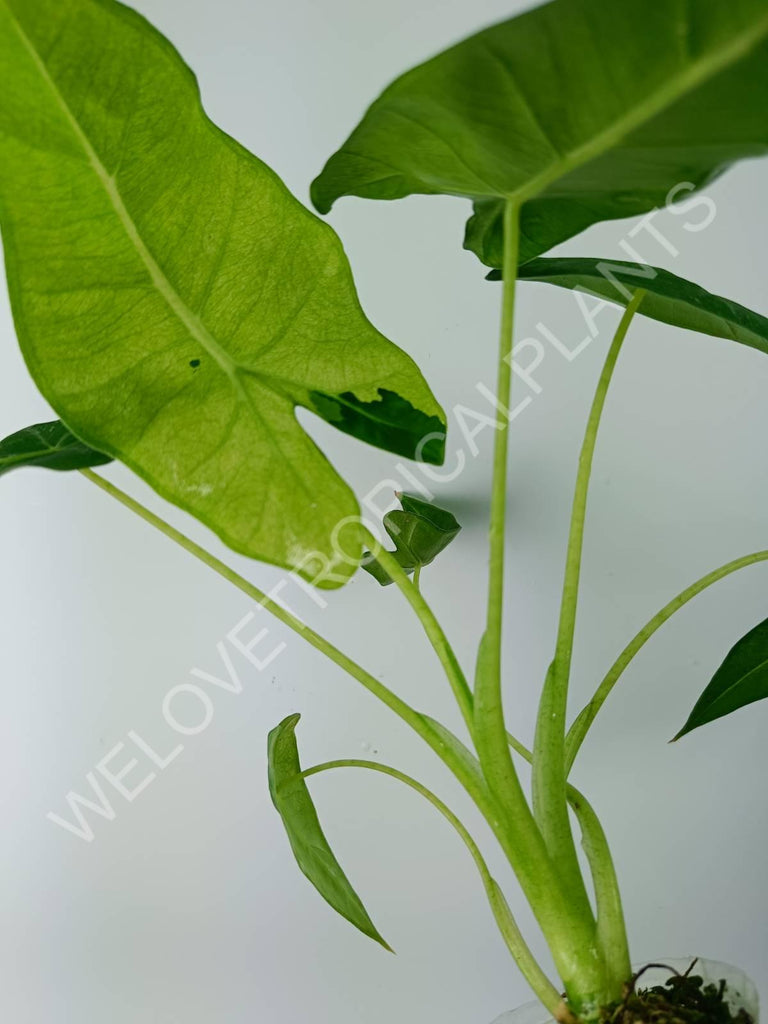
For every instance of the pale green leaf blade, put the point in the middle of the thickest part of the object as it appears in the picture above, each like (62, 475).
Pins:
(668, 298)
(742, 679)
(314, 856)
(581, 110)
(173, 301)
(47, 446)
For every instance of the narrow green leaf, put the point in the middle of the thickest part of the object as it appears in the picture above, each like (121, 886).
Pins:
(314, 856)
(173, 301)
(668, 298)
(742, 679)
(48, 446)
(420, 531)
(581, 110)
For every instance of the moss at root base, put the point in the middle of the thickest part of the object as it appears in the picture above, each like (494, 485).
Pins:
(682, 999)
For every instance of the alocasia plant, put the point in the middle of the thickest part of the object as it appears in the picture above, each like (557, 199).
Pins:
(175, 304)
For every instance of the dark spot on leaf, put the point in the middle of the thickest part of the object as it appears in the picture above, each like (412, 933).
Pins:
(194, 363)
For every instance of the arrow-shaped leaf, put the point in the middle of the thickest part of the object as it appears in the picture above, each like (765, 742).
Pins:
(49, 446)
(579, 110)
(173, 301)
(292, 799)
(669, 299)
(741, 679)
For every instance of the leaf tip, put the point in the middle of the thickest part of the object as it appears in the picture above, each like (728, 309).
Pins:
(318, 197)
(289, 723)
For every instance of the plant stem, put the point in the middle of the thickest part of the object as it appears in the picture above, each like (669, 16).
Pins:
(549, 775)
(611, 927)
(612, 937)
(524, 958)
(564, 933)
(568, 926)
(587, 715)
(432, 627)
(490, 727)
(416, 578)
(403, 710)
(527, 851)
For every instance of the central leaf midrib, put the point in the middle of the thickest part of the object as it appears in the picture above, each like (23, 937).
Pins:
(7, 461)
(737, 683)
(696, 74)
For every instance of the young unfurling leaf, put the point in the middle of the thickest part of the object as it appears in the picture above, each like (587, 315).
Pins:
(420, 531)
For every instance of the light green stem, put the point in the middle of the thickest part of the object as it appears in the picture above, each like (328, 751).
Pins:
(524, 958)
(416, 578)
(549, 775)
(567, 925)
(611, 927)
(431, 626)
(490, 728)
(403, 710)
(587, 715)
(541, 885)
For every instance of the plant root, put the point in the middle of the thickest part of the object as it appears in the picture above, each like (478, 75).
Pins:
(682, 999)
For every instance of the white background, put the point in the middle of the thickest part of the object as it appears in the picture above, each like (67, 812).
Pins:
(188, 907)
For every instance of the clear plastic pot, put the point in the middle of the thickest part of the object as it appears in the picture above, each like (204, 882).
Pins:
(741, 991)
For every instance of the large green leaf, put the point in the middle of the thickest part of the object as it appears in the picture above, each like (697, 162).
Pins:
(173, 301)
(741, 679)
(582, 110)
(668, 298)
(291, 797)
(48, 446)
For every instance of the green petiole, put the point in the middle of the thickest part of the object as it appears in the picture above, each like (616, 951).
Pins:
(585, 718)
(537, 979)
(549, 776)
